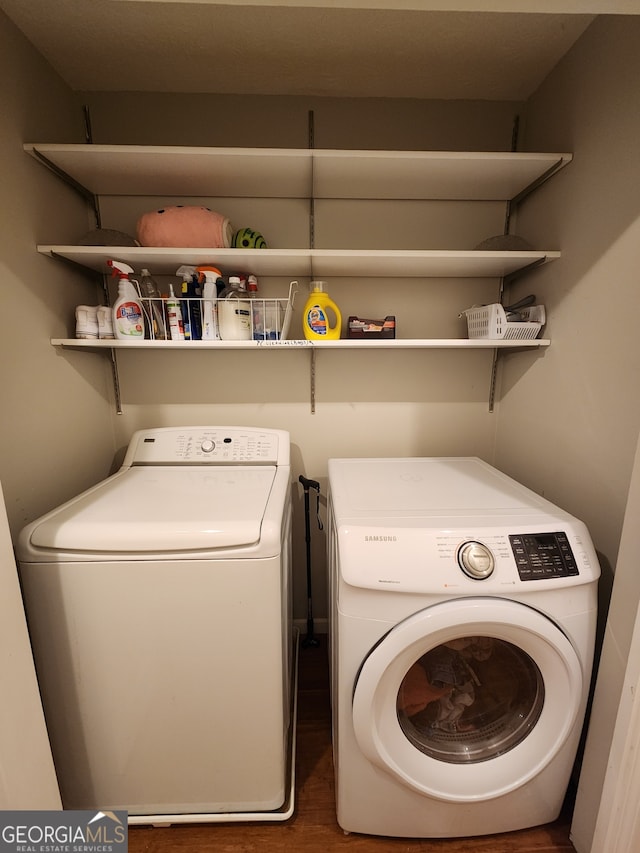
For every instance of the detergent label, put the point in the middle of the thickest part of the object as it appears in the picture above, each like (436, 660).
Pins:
(317, 320)
(129, 319)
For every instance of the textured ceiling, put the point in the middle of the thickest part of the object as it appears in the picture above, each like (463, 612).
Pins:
(298, 47)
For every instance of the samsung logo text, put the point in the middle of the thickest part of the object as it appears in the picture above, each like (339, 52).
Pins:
(380, 538)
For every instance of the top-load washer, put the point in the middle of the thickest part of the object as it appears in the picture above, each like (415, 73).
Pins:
(463, 616)
(159, 606)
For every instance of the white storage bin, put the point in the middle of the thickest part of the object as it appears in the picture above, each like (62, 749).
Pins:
(490, 321)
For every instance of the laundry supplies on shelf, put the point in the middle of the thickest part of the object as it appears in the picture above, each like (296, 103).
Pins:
(211, 284)
(128, 318)
(234, 312)
(174, 312)
(321, 317)
(155, 314)
(497, 323)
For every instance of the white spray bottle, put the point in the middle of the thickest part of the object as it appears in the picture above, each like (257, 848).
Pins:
(210, 277)
(191, 302)
(128, 319)
(176, 326)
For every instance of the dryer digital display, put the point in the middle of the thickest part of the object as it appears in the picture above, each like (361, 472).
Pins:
(540, 556)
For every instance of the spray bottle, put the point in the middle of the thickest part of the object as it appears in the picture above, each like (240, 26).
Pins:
(128, 319)
(153, 300)
(315, 320)
(211, 280)
(190, 303)
(174, 313)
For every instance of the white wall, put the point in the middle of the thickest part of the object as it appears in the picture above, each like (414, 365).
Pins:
(569, 427)
(56, 429)
(568, 423)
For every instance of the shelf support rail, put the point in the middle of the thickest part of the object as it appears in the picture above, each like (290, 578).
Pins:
(312, 245)
(534, 185)
(505, 281)
(116, 381)
(528, 190)
(86, 194)
(493, 381)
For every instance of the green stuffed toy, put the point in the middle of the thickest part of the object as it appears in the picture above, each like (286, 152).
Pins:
(247, 238)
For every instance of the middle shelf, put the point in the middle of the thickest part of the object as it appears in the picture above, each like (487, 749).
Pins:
(343, 343)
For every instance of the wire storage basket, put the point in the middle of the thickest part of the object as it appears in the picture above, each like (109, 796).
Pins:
(196, 319)
(490, 321)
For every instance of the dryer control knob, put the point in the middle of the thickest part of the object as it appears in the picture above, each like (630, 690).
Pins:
(207, 445)
(475, 560)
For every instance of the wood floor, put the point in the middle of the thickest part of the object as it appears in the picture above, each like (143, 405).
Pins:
(313, 827)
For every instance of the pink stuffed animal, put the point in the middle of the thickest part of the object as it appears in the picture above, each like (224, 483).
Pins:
(185, 226)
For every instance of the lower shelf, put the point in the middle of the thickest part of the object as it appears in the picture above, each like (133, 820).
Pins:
(343, 343)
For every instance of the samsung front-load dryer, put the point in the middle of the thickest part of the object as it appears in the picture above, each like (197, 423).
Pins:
(463, 614)
(159, 610)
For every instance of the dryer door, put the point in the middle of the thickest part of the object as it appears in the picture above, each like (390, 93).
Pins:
(469, 699)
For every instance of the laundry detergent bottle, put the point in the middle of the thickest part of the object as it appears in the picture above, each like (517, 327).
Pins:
(318, 313)
(234, 312)
(128, 319)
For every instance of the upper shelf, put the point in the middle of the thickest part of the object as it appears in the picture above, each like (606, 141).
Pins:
(294, 263)
(298, 173)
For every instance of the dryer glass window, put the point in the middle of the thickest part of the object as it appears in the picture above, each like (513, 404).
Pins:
(470, 699)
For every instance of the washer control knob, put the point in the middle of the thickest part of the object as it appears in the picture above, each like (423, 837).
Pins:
(207, 445)
(475, 560)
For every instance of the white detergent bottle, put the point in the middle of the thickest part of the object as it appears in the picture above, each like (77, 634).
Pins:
(128, 319)
(234, 312)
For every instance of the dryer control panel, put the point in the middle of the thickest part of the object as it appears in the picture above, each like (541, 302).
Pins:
(540, 556)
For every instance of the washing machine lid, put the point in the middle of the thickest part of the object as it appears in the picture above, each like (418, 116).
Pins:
(434, 490)
(151, 509)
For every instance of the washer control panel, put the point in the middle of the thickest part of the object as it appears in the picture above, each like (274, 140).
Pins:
(540, 556)
(208, 446)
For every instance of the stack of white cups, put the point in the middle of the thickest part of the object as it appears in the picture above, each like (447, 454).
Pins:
(94, 321)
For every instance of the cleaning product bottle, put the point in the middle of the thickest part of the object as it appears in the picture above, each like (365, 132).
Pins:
(175, 316)
(190, 304)
(252, 287)
(152, 299)
(128, 319)
(212, 284)
(257, 308)
(315, 320)
(234, 312)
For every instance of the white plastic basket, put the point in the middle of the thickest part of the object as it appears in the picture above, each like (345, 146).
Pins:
(490, 321)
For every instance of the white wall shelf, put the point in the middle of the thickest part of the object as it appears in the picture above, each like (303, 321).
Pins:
(298, 173)
(312, 174)
(397, 343)
(322, 263)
